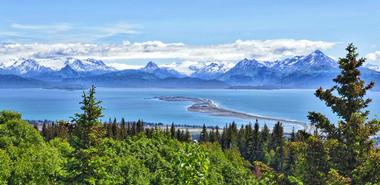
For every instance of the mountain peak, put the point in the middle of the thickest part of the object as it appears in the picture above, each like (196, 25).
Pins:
(24, 66)
(150, 67)
(318, 52)
(87, 65)
(249, 63)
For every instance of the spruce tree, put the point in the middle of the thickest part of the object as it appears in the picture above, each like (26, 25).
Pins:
(217, 135)
(347, 100)
(203, 137)
(277, 145)
(212, 135)
(87, 130)
(172, 130)
(315, 161)
(291, 159)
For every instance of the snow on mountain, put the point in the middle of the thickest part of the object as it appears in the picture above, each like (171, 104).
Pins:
(161, 72)
(247, 64)
(314, 61)
(210, 71)
(373, 67)
(317, 58)
(27, 67)
(290, 70)
(88, 65)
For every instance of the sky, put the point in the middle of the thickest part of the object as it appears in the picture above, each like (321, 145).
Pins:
(127, 34)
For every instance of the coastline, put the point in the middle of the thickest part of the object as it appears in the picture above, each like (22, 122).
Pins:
(207, 106)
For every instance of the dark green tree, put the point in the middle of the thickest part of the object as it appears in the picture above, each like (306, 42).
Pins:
(172, 130)
(277, 145)
(346, 99)
(87, 130)
(316, 162)
(203, 137)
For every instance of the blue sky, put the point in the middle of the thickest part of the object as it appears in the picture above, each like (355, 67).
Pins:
(196, 23)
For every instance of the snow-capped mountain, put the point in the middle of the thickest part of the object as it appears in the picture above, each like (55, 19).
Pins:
(250, 72)
(27, 67)
(71, 66)
(161, 72)
(210, 71)
(309, 71)
(313, 67)
(312, 62)
(373, 67)
(88, 65)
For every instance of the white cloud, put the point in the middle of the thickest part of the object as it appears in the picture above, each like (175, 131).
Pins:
(373, 56)
(228, 53)
(61, 27)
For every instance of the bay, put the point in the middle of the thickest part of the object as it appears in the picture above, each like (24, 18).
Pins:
(134, 104)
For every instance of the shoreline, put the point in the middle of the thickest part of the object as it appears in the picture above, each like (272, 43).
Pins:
(207, 106)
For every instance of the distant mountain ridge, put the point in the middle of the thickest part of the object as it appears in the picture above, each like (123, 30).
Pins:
(210, 71)
(309, 71)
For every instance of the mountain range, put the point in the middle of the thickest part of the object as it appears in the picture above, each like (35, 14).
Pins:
(310, 71)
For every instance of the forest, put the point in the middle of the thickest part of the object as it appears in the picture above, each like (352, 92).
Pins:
(85, 150)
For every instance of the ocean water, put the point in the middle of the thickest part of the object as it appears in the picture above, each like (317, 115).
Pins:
(133, 104)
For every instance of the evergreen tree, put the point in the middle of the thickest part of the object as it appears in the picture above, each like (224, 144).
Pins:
(217, 134)
(245, 136)
(316, 161)
(223, 139)
(114, 129)
(253, 144)
(291, 154)
(258, 146)
(212, 137)
(178, 134)
(44, 131)
(123, 129)
(88, 130)
(203, 137)
(277, 145)
(346, 99)
(63, 130)
(86, 135)
(232, 134)
(172, 130)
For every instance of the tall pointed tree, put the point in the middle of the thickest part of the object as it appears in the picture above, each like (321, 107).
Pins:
(87, 130)
(347, 100)
(203, 137)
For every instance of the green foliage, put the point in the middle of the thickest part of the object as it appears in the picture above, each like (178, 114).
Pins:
(315, 161)
(5, 167)
(191, 165)
(227, 167)
(334, 178)
(26, 158)
(369, 170)
(9, 115)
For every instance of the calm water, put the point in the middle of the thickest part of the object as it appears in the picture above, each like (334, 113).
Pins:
(133, 104)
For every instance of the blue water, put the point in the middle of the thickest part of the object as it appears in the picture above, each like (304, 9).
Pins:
(133, 104)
